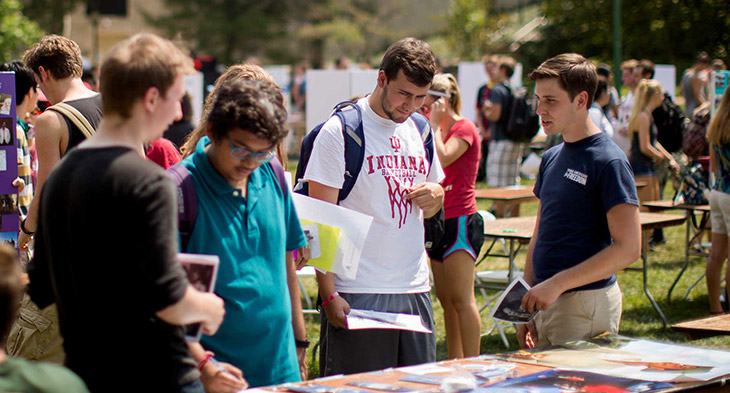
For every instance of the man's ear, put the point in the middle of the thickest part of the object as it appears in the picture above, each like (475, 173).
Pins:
(151, 96)
(581, 100)
(43, 74)
(382, 79)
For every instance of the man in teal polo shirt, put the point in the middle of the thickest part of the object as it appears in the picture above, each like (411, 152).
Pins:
(248, 220)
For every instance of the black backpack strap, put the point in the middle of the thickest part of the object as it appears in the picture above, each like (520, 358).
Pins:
(187, 202)
(424, 128)
(354, 137)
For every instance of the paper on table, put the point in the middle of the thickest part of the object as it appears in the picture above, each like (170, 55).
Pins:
(367, 319)
(341, 233)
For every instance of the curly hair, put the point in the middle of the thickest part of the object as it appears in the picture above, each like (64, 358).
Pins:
(58, 55)
(414, 57)
(255, 106)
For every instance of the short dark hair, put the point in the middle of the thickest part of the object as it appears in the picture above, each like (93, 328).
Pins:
(507, 64)
(414, 57)
(647, 69)
(574, 73)
(601, 88)
(24, 78)
(11, 289)
(604, 71)
(255, 106)
(136, 64)
(58, 55)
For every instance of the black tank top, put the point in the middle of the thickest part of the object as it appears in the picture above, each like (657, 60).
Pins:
(90, 107)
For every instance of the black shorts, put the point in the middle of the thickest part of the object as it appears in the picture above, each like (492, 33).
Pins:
(461, 233)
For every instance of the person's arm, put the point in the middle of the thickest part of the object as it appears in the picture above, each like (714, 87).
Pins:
(213, 378)
(526, 333)
(697, 83)
(337, 308)
(453, 149)
(300, 330)
(667, 156)
(49, 128)
(492, 111)
(645, 146)
(625, 229)
(195, 307)
(428, 196)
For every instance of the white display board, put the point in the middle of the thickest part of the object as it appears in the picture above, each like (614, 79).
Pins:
(327, 88)
(282, 78)
(194, 87)
(666, 74)
(471, 77)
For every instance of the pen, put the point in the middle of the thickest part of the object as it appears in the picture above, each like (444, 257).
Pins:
(216, 363)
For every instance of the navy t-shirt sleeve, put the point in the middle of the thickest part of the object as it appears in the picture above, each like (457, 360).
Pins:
(617, 184)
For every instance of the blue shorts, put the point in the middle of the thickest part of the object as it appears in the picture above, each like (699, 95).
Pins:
(461, 233)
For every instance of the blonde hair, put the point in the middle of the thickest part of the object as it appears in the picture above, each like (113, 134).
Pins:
(446, 83)
(244, 71)
(718, 132)
(644, 92)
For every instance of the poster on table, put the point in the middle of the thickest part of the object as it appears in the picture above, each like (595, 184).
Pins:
(620, 356)
(9, 219)
(719, 81)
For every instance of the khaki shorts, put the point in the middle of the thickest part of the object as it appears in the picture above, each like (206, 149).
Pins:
(720, 212)
(35, 334)
(579, 315)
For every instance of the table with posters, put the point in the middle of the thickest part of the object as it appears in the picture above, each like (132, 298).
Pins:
(605, 363)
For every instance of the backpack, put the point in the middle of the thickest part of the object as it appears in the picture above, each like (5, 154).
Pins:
(694, 186)
(187, 197)
(522, 122)
(670, 123)
(694, 140)
(354, 135)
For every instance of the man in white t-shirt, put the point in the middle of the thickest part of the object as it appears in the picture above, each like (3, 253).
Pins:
(397, 187)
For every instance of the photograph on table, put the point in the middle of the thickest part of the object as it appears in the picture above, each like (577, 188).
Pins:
(626, 357)
(575, 381)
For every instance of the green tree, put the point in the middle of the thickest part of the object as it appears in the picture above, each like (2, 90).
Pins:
(230, 30)
(17, 32)
(474, 29)
(49, 14)
(664, 31)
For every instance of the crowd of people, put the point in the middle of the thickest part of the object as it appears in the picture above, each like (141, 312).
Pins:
(105, 221)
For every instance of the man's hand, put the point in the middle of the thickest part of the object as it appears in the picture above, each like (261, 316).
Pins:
(438, 108)
(336, 311)
(541, 296)
(303, 254)
(428, 196)
(215, 311)
(216, 380)
(302, 359)
(527, 335)
(20, 183)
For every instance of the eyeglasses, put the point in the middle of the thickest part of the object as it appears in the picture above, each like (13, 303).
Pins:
(243, 154)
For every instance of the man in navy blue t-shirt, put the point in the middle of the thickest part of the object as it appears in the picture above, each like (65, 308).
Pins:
(587, 227)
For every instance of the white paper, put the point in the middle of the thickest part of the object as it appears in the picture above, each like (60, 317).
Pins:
(312, 234)
(425, 369)
(354, 227)
(367, 319)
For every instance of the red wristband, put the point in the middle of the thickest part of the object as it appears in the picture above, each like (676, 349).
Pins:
(329, 299)
(205, 360)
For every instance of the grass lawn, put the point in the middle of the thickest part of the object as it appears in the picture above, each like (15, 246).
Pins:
(639, 318)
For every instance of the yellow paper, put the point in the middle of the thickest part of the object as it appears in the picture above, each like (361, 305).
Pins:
(328, 236)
